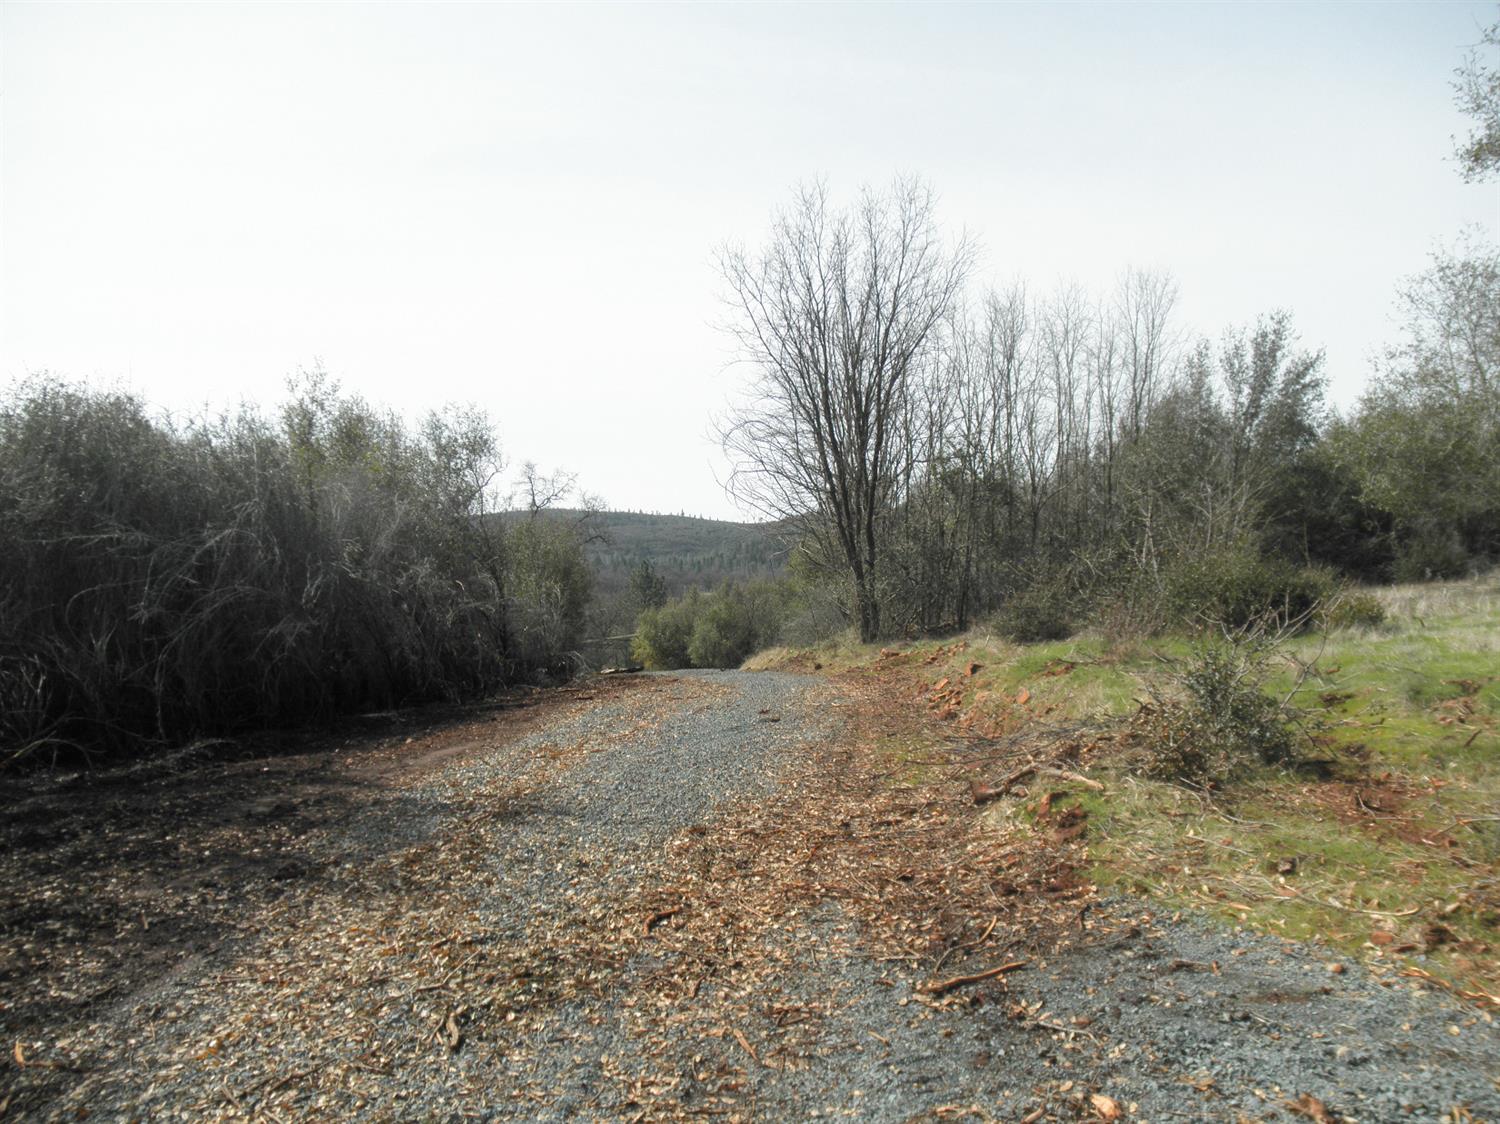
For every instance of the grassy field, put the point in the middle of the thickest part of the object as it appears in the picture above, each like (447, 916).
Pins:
(1384, 844)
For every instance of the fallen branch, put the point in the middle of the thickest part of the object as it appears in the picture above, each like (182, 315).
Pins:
(984, 936)
(449, 975)
(1016, 778)
(1049, 1024)
(24, 1062)
(280, 1083)
(449, 1033)
(1422, 974)
(982, 793)
(1068, 775)
(940, 987)
(1284, 892)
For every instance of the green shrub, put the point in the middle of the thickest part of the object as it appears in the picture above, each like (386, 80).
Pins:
(725, 633)
(549, 584)
(719, 629)
(1219, 722)
(662, 636)
(1432, 556)
(813, 611)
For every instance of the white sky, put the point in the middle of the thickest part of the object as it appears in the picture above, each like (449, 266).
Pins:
(519, 206)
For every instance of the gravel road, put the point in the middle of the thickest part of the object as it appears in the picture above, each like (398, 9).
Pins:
(476, 942)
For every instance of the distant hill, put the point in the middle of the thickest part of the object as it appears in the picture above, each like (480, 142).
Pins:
(685, 550)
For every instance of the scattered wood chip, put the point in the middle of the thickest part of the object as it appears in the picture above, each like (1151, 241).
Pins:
(1106, 1108)
(745, 1044)
(1309, 1106)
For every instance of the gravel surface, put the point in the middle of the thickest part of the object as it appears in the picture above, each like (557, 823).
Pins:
(482, 853)
(475, 944)
(1215, 1022)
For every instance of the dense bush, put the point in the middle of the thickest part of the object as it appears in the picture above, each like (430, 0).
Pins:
(1424, 444)
(1233, 587)
(1439, 553)
(662, 634)
(1219, 721)
(718, 629)
(726, 632)
(813, 611)
(162, 581)
(548, 587)
(1042, 611)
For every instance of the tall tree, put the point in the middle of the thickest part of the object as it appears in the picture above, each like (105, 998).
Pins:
(839, 315)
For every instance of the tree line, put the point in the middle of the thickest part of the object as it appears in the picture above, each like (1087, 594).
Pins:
(945, 454)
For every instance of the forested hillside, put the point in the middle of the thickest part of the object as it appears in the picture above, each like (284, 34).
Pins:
(686, 551)
(637, 560)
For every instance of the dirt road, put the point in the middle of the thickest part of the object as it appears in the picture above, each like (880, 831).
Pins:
(655, 897)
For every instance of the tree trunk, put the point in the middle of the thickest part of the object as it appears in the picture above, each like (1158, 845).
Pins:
(867, 610)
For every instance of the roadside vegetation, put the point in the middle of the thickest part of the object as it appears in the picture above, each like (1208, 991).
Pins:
(1140, 584)
(169, 581)
(1343, 785)
(725, 626)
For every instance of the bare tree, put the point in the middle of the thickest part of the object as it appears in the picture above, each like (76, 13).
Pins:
(1143, 305)
(838, 314)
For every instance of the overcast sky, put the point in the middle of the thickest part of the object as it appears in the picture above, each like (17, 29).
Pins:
(519, 206)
